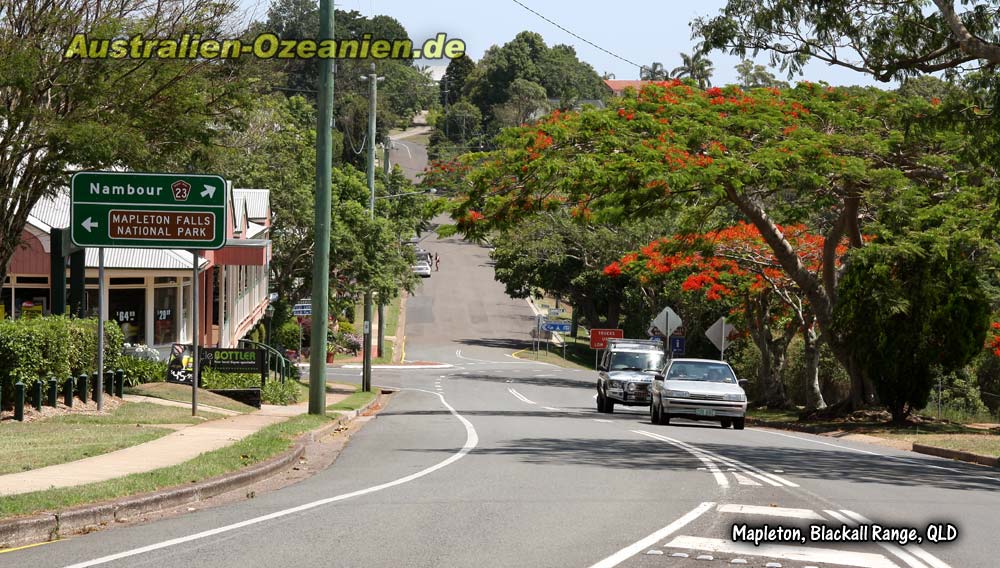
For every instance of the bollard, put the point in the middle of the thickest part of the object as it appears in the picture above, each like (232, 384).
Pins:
(120, 383)
(95, 383)
(68, 392)
(19, 401)
(109, 382)
(82, 390)
(53, 391)
(36, 394)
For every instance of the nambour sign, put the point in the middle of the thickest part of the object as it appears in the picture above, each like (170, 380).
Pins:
(148, 210)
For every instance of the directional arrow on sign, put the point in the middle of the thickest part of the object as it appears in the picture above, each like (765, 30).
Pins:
(208, 192)
(89, 224)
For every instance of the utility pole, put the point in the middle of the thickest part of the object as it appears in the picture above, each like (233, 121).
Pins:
(381, 301)
(366, 368)
(446, 97)
(321, 259)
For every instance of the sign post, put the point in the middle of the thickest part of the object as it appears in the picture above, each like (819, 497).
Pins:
(718, 333)
(148, 210)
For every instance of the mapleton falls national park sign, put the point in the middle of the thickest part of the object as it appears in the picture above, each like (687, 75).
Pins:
(148, 210)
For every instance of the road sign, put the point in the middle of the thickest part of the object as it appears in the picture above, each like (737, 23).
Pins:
(665, 322)
(599, 337)
(677, 345)
(718, 333)
(137, 210)
(302, 310)
(557, 326)
(556, 312)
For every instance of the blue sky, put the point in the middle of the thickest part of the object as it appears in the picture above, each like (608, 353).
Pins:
(641, 31)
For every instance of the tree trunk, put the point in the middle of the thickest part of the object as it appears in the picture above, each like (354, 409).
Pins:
(772, 351)
(614, 313)
(814, 395)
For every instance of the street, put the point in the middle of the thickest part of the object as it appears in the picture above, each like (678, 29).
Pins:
(488, 460)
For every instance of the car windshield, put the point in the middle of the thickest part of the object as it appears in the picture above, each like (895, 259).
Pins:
(707, 372)
(636, 361)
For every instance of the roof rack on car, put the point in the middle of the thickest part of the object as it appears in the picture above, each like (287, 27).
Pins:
(619, 343)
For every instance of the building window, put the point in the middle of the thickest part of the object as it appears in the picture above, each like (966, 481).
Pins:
(44, 280)
(128, 308)
(165, 316)
(128, 282)
(29, 302)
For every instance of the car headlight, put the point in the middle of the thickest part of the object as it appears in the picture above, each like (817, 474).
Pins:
(736, 397)
(616, 384)
(676, 394)
(631, 387)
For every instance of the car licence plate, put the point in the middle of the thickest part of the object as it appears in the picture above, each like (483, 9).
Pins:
(704, 412)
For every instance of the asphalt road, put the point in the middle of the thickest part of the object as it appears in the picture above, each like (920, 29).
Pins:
(494, 461)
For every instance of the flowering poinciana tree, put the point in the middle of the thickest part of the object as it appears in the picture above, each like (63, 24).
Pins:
(812, 154)
(736, 263)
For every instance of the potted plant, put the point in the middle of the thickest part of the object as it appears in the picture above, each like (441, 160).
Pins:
(331, 350)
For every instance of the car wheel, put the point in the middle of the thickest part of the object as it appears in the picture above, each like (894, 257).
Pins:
(726, 423)
(738, 423)
(609, 405)
(600, 402)
(654, 416)
(664, 417)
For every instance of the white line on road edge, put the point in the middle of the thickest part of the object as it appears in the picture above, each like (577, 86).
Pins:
(632, 549)
(519, 396)
(770, 511)
(897, 458)
(894, 549)
(796, 553)
(720, 477)
(916, 550)
(471, 441)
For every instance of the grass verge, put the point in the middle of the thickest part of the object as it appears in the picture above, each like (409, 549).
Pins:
(182, 393)
(262, 445)
(70, 437)
(579, 355)
(354, 401)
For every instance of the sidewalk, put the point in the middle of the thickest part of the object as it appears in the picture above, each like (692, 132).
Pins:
(172, 449)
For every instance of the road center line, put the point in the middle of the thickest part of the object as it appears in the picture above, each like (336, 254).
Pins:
(720, 477)
(633, 549)
(471, 441)
(520, 396)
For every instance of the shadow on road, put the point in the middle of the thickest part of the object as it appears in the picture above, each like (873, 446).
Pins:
(587, 384)
(497, 343)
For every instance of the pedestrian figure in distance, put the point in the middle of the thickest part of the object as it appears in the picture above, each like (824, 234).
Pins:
(437, 262)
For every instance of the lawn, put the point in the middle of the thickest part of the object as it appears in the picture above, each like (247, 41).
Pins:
(391, 312)
(255, 448)
(983, 444)
(182, 393)
(70, 437)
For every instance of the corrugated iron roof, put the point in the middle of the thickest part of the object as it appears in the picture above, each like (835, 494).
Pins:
(144, 259)
(257, 202)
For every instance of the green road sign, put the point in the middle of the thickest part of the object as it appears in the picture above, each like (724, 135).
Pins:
(137, 210)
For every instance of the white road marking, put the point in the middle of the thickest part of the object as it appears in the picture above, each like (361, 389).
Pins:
(520, 396)
(896, 458)
(788, 552)
(768, 478)
(471, 441)
(602, 420)
(916, 550)
(720, 478)
(409, 367)
(744, 480)
(633, 549)
(894, 549)
(552, 409)
(770, 511)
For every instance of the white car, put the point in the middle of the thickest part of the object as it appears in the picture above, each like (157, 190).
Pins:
(698, 389)
(422, 269)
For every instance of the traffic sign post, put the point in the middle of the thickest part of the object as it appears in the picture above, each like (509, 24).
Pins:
(143, 210)
(148, 210)
(718, 333)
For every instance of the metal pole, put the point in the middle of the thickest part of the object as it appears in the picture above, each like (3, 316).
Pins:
(195, 306)
(723, 355)
(321, 259)
(100, 327)
(366, 368)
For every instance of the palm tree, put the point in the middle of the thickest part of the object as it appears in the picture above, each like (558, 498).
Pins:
(654, 72)
(697, 67)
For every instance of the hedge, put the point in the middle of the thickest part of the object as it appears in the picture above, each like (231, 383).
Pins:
(37, 348)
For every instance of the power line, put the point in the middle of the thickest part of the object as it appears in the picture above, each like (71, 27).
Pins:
(592, 44)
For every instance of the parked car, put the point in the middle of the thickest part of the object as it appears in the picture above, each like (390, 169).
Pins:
(422, 269)
(626, 370)
(698, 389)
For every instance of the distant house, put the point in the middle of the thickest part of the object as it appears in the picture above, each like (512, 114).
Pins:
(618, 86)
(148, 291)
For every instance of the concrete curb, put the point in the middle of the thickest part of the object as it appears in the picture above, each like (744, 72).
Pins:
(41, 527)
(917, 448)
(957, 455)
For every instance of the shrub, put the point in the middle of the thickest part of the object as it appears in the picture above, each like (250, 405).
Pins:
(212, 379)
(350, 341)
(34, 349)
(346, 326)
(276, 392)
(139, 370)
(287, 335)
